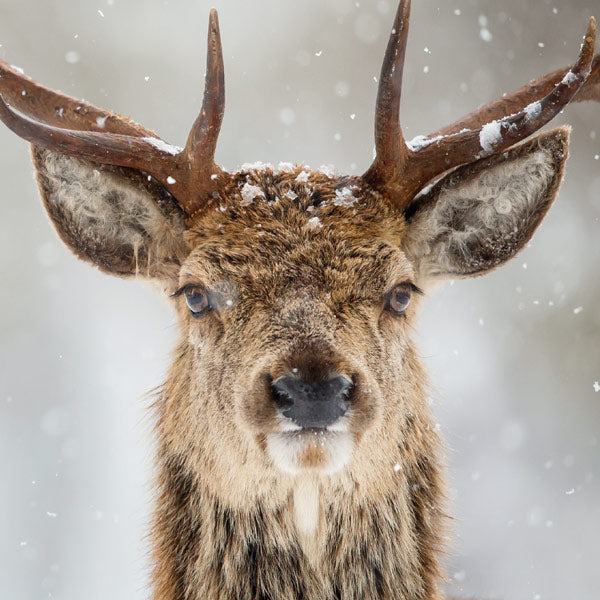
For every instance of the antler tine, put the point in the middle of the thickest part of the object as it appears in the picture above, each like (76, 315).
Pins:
(202, 140)
(591, 88)
(519, 99)
(60, 110)
(391, 151)
(199, 151)
(438, 155)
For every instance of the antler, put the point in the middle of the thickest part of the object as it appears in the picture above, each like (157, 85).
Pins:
(389, 140)
(60, 110)
(199, 151)
(401, 170)
(102, 137)
(516, 101)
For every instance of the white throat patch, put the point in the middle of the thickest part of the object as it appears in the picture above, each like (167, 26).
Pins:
(306, 505)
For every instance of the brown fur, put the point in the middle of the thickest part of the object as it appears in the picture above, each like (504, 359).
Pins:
(300, 264)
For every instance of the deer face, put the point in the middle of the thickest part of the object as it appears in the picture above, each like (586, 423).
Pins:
(297, 288)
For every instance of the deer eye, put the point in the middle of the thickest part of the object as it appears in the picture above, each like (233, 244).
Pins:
(197, 300)
(399, 299)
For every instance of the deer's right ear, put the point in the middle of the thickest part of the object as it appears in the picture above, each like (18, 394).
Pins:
(482, 214)
(118, 219)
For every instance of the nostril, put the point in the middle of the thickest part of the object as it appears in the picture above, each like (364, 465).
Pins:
(312, 404)
(336, 387)
(281, 393)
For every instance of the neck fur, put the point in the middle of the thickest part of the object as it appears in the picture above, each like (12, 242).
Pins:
(323, 541)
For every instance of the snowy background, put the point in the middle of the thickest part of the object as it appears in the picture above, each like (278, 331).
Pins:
(514, 356)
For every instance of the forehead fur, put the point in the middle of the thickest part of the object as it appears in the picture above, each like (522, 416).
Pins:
(297, 227)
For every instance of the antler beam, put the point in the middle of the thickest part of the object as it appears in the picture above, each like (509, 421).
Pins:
(465, 146)
(99, 136)
(34, 100)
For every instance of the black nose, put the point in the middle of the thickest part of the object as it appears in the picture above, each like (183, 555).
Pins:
(314, 404)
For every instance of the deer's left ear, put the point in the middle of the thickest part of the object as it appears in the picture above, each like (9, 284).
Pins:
(482, 214)
(120, 220)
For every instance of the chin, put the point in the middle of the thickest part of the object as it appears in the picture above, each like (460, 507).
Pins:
(311, 450)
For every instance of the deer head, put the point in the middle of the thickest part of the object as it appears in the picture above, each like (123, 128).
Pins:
(296, 290)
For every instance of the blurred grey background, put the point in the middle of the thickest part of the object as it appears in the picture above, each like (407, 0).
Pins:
(513, 357)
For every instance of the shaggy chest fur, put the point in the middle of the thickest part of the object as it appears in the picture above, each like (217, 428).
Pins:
(362, 547)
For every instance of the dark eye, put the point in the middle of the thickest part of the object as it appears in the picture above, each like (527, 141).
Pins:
(399, 298)
(197, 301)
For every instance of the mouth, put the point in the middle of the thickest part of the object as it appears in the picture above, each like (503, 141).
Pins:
(325, 450)
(290, 427)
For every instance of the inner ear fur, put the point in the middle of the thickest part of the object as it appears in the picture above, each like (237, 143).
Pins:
(115, 218)
(482, 214)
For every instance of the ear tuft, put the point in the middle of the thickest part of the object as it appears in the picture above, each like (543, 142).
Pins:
(112, 217)
(482, 214)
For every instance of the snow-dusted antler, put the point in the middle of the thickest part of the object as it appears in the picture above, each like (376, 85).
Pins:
(516, 101)
(401, 170)
(57, 122)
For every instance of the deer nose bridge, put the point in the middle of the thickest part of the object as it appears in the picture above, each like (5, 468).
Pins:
(301, 314)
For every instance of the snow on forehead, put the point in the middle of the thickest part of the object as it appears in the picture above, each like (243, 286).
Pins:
(304, 172)
(262, 167)
(259, 183)
(256, 167)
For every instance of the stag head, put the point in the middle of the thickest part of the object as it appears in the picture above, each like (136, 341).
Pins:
(297, 290)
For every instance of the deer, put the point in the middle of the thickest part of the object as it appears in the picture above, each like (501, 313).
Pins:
(297, 457)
